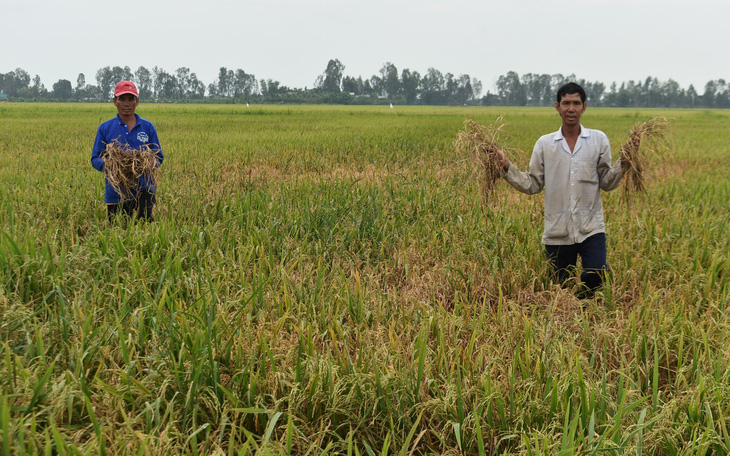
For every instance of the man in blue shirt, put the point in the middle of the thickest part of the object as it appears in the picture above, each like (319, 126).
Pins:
(130, 129)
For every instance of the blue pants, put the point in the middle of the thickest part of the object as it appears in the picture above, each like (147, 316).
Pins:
(564, 260)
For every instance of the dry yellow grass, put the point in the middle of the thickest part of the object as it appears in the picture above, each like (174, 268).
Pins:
(650, 137)
(485, 142)
(124, 166)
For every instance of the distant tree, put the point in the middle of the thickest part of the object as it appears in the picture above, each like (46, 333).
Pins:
(185, 82)
(650, 95)
(121, 74)
(594, 92)
(92, 91)
(389, 76)
(367, 86)
(433, 87)
(239, 82)
(632, 94)
(511, 90)
(608, 99)
(491, 99)
(672, 95)
(158, 80)
(189, 86)
(197, 87)
(269, 88)
(452, 89)
(80, 90)
(331, 79)
(105, 81)
(556, 81)
(537, 86)
(143, 79)
(37, 89)
(377, 85)
(357, 86)
(350, 85)
(708, 98)
(166, 85)
(721, 94)
(212, 90)
(692, 96)
(476, 85)
(410, 81)
(22, 78)
(225, 82)
(62, 89)
(463, 92)
(624, 94)
(244, 85)
(15, 83)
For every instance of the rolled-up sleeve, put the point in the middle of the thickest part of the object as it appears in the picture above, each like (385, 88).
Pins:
(530, 182)
(609, 177)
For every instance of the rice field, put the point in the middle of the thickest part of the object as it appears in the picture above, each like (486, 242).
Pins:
(329, 280)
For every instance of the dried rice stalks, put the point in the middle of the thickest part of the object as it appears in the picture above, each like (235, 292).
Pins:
(124, 166)
(650, 137)
(485, 142)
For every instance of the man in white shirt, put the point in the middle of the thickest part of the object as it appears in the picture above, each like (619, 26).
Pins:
(572, 165)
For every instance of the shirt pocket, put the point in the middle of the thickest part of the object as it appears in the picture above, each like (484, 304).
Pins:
(590, 221)
(556, 225)
(587, 172)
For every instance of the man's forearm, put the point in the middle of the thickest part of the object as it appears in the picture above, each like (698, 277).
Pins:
(524, 182)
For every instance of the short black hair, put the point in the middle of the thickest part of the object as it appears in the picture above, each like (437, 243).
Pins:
(569, 88)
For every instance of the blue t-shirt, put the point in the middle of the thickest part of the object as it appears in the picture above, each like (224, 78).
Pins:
(143, 133)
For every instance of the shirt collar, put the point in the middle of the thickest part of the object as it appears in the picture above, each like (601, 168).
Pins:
(584, 133)
(121, 122)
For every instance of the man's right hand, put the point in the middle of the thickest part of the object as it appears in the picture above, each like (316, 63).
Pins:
(504, 161)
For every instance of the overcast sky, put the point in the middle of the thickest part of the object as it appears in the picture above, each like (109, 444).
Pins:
(292, 40)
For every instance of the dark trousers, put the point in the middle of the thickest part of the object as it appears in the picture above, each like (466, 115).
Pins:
(564, 260)
(140, 207)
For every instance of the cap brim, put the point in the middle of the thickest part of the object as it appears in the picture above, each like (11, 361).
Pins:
(124, 92)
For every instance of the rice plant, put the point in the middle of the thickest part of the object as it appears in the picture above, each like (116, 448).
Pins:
(320, 280)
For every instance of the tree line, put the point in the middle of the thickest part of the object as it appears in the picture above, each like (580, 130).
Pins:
(539, 90)
(388, 86)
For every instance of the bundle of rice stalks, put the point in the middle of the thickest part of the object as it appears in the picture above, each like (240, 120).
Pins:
(485, 142)
(648, 138)
(125, 166)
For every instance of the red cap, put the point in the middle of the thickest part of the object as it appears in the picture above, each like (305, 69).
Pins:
(125, 87)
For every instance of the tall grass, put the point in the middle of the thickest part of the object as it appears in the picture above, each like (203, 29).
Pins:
(323, 280)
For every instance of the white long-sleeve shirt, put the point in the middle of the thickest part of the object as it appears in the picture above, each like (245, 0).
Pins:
(572, 183)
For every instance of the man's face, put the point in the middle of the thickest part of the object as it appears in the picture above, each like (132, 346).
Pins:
(126, 104)
(570, 108)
